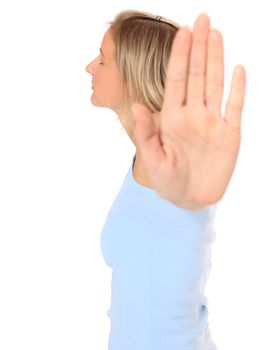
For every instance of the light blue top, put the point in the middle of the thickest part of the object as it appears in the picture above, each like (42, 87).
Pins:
(160, 260)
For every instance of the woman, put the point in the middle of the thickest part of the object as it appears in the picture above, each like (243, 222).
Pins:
(166, 85)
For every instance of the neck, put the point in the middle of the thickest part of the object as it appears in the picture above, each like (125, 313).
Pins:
(140, 173)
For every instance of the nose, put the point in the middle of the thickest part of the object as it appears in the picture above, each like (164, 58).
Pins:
(91, 67)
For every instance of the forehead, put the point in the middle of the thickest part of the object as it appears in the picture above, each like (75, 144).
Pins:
(108, 43)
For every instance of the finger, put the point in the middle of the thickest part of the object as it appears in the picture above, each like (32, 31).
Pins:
(176, 76)
(215, 73)
(197, 66)
(235, 100)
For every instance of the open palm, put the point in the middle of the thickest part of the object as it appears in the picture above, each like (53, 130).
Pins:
(191, 154)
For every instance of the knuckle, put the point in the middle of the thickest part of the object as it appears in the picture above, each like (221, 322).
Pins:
(196, 70)
(215, 83)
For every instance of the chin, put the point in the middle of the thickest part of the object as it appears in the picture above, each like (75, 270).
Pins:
(94, 102)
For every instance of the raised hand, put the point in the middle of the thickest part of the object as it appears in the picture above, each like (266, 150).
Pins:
(191, 155)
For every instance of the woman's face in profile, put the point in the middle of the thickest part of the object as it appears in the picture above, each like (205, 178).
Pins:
(105, 76)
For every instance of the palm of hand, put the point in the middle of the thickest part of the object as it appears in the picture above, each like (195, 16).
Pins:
(191, 155)
(201, 151)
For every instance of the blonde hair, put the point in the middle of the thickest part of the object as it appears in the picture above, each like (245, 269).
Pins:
(143, 43)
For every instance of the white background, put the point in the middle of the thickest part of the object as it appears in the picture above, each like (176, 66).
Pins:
(62, 161)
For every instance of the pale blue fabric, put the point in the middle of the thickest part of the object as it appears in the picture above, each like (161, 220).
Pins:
(160, 259)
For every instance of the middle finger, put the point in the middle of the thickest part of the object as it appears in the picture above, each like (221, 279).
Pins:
(197, 66)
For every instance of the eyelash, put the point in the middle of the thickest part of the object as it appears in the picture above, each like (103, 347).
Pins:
(100, 61)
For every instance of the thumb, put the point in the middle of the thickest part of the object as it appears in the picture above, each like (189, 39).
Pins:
(147, 136)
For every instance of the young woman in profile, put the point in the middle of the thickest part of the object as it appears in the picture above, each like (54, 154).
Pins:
(165, 83)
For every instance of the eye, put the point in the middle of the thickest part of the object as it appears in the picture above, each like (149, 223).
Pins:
(100, 60)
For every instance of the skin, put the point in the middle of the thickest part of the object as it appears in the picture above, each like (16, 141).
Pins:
(188, 152)
(107, 93)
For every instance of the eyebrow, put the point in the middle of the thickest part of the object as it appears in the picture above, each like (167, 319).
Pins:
(102, 53)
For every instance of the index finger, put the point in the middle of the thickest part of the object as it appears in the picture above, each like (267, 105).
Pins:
(176, 76)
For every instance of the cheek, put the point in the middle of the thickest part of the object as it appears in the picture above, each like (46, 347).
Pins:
(107, 91)
(113, 88)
